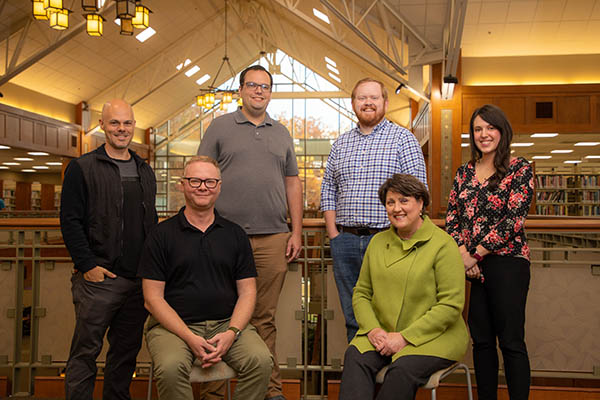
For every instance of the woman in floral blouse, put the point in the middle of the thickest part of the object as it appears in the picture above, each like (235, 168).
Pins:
(488, 204)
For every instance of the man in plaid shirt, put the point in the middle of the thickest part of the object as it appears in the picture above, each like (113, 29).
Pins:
(359, 162)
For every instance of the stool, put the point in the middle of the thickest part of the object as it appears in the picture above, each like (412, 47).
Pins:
(218, 372)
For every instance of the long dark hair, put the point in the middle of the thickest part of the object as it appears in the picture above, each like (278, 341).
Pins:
(494, 116)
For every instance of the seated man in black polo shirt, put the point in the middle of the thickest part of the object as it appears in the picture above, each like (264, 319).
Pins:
(200, 287)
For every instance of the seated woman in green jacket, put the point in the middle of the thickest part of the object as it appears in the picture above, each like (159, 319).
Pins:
(407, 301)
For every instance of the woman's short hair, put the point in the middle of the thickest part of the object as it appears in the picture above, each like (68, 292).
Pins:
(407, 185)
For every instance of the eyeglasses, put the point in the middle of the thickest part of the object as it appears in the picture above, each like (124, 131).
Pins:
(253, 86)
(210, 183)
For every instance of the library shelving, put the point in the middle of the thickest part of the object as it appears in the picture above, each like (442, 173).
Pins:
(572, 194)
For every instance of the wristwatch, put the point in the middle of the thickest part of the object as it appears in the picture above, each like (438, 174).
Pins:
(236, 331)
(475, 254)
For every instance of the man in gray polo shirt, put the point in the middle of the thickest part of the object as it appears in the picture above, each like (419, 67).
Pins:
(257, 160)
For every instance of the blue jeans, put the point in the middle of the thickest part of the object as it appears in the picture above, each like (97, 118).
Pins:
(348, 251)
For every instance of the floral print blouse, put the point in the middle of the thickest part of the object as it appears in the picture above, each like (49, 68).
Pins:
(492, 219)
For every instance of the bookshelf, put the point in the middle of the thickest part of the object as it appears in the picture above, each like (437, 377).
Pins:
(569, 194)
(8, 194)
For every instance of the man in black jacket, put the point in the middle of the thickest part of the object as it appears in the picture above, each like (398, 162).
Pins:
(107, 210)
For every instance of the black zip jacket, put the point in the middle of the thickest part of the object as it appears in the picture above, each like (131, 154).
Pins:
(91, 208)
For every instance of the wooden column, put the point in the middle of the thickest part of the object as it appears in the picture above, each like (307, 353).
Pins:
(444, 146)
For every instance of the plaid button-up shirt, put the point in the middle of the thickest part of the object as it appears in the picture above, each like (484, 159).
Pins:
(357, 166)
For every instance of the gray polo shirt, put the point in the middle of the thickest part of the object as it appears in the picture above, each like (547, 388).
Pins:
(254, 162)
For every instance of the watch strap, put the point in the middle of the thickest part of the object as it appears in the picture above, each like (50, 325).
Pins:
(236, 331)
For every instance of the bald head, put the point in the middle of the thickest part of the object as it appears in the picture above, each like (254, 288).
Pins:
(116, 104)
(118, 125)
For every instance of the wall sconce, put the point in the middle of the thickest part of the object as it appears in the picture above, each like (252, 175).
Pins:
(126, 27)
(413, 91)
(125, 9)
(448, 87)
(59, 19)
(142, 17)
(94, 25)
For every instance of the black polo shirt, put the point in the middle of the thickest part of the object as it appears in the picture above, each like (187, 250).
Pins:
(200, 269)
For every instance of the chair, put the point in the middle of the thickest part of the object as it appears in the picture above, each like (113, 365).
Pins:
(218, 372)
(436, 377)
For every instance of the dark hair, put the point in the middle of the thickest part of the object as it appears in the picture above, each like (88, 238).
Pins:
(407, 185)
(493, 115)
(255, 68)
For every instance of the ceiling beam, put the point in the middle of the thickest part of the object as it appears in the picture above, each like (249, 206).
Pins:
(363, 37)
(70, 34)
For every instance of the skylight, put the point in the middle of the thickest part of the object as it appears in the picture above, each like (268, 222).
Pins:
(192, 71)
(145, 34)
(321, 16)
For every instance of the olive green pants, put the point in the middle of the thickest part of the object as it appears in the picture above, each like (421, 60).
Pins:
(173, 359)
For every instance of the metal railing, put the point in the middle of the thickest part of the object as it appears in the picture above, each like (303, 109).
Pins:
(37, 317)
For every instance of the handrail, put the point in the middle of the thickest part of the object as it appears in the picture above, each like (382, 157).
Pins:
(537, 224)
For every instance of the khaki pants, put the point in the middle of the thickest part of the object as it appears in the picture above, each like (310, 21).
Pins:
(271, 265)
(173, 360)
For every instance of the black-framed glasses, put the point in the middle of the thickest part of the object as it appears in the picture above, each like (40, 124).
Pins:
(253, 86)
(210, 183)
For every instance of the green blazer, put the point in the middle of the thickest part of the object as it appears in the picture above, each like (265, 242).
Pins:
(415, 287)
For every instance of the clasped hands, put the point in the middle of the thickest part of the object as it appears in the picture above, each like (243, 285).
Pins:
(386, 343)
(211, 351)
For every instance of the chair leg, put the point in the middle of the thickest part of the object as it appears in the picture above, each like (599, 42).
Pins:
(149, 396)
(433, 394)
(228, 383)
(468, 374)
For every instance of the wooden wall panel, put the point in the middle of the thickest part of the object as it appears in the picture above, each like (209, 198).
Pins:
(513, 107)
(47, 197)
(573, 110)
(23, 196)
(34, 132)
(52, 136)
(2, 125)
(469, 104)
(39, 135)
(26, 131)
(12, 129)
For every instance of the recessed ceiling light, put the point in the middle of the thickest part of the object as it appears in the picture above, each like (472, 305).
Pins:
(145, 34)
(4, 167)
(192, 71)
(544, 135)
(40, 167)
(523, 144)
(28, 170)
(561, 151)
(38, 153)
(335, 78)
(464, 145)
(572, 161)
(586, 144)
(54, 163)
(332, 68)
(464, 135)
(203, 79)
(592, 156)
(321, 16)
(11, 163)
(3, 147)
(23, 159)
(330, 61)
(512, 151)
(541, 157)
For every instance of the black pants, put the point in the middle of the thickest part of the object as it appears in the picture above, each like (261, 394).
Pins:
(117, 305)
(497, 309)
(402, 379)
